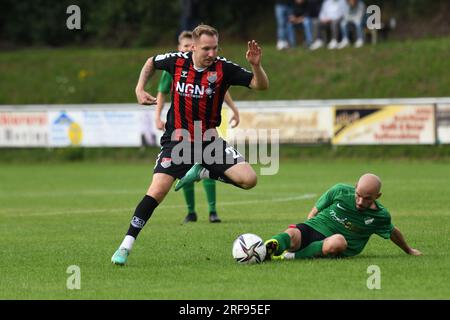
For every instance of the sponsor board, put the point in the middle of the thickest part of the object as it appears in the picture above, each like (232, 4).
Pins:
(443, 123)
(65, 128)
(103, 128)
(23, 129)
(295, 124)
(384, 124)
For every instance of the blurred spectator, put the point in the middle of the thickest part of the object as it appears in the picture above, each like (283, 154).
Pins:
(297, 19)
(306, 14)
(354, 16)
(330, 17)
(285, 30)
(189, 15)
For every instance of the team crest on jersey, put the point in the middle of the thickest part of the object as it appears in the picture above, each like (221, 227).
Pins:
(368, 221)
(166, 162)
(212, 76)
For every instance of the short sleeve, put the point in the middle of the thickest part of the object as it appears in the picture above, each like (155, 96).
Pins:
(327, 198)
(385, 229)
(167, 61)
(236, 75)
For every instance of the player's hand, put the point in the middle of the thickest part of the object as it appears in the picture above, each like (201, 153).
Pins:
(234, 121)
(160, 125)
(254, 53)
(414, 252)
(145, 98)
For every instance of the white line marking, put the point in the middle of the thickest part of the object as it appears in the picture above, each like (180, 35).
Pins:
(16, 213)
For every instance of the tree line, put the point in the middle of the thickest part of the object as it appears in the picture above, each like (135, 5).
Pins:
(137, 23)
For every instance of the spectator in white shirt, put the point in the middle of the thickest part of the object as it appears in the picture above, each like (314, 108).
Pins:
(331, 15)
(354, 15)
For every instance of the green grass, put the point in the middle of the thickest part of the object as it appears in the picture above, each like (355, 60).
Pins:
(387, 70)
(66, 214)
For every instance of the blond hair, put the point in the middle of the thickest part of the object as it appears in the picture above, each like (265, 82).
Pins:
(185, 35)
(204, 29)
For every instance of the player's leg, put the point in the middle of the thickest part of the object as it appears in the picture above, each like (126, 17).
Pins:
(331, 246)
(160, 186)
(289, 240)
(210, 189)
(189, 196)
(281, 242)
(298, 241)
(164, 174)
(334, 245)
(231, 169)
(242, 175)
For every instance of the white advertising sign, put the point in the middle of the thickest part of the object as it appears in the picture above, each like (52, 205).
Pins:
(23, 129)
(295, 125)
(391, 124)
(443, 123)
(101, 128)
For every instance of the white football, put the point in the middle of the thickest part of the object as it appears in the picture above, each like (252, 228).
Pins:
(248, 248)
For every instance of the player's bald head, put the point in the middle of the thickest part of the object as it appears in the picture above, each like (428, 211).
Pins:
(367, 190)
(369, 184)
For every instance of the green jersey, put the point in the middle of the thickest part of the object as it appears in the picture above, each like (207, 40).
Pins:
(338, 214)
(165, 82)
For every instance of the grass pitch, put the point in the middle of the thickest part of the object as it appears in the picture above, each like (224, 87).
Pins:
(52, 217)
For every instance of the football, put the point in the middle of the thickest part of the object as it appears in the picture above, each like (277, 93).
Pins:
(248, 248)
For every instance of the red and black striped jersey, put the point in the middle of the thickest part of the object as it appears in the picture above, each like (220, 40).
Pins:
(198, 95)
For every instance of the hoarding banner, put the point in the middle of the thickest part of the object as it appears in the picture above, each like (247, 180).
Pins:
(295, 125)
(23, 129)
(390, 124)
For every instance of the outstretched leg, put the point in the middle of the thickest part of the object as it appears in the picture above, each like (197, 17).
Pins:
(229, 166)
(302, 241)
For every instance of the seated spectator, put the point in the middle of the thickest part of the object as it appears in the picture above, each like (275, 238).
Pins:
(331, 14)
(297, 18)
(354, 16)
(313, 8)
(306, 15)
(285, 30)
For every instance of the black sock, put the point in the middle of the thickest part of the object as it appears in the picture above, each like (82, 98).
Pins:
(142, 213)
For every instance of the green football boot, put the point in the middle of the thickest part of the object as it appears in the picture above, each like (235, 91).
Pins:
(120, 256)
(193, 175)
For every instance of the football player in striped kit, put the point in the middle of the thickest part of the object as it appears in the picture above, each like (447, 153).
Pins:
(200, 80)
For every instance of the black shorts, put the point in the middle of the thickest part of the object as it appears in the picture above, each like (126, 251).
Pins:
(176, 158)
(308, 235)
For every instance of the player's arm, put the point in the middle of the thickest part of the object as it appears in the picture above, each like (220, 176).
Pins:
(234, 121)
(147, 72)
(314, 211)
(160, 100)
(324, 201)
(260, 81)
(399, 240)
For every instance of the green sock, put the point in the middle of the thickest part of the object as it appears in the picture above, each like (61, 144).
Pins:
(284, 241)
(210, 188)
(314, 249)
(189, 196)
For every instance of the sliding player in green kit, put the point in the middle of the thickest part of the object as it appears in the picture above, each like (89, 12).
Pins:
(339, 225)
(185, 42)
